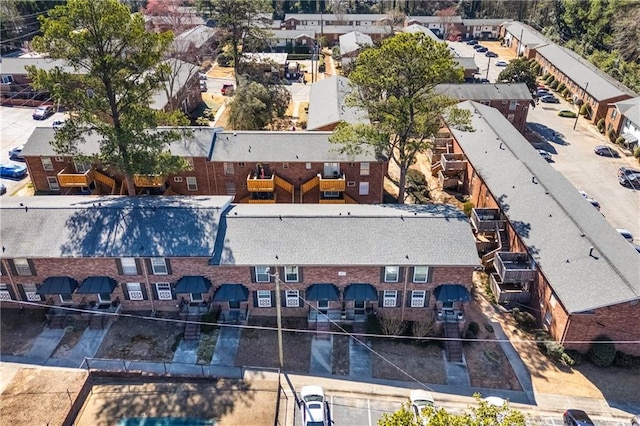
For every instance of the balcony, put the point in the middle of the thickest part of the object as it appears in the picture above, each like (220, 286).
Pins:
(149, 181)
(453, 163)
(333, 184)
(332, 201)
(259, 184)
(515, 267)
(486, 220)
(509, 292)
(262, 198)
(67, 178)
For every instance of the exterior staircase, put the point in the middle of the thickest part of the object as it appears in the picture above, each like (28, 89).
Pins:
(58, 321)
(435, 168)
(323, 328)
(97, 322)
(192, 330)
(454, 347)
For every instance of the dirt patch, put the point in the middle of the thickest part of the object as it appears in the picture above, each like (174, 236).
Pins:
(72, 334)
(259, 348)
(423, 362)
(223, 120)
(40, 396)
(207, 345)
(217, 71)
(19, 328)
(136, 338)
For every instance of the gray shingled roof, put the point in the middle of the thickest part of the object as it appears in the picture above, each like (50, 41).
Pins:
(344, 29)
(437, 235)
(196, 36)
(354, 41)
(631, 109)
(196, 143)
(116, 226)
(485, 22)
(467, 63)
(16, 66)
(478, 92)
(291, 34)
(183, 72)
(417, 28)
(436, 19)
(290, 147)
(331, 17)
(530, 37)
(327, 104)
(555, 222)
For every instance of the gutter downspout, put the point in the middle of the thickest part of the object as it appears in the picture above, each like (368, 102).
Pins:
(404, 302)
(13, 284)
(148, 285)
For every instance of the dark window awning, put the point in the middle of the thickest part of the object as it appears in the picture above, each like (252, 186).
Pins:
(231, 293)
(630, 138)
(97, 285)
(323, 292)
(360, 292)
(193, 284)
(452, 293)
(58, 285)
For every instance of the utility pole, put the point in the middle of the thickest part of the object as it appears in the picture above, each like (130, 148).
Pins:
(580, 102)
(488, 66)
(278, 316)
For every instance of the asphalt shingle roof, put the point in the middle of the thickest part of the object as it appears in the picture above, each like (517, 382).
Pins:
(354, 41)
(467, 63)
(478, 92)
(436, 235)
(631, 109)
(115, 226)
(290, 147)
(417, 28)
(327, 104)
(196, 36)
(556, 223)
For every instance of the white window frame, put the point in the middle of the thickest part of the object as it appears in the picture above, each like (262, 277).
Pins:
(285, 165)
(101, 300)
(365, 169)
(388, 274)
(65, 300)
(82, 167)
(156, 263)
(164, 291)
(511, 117)
(363, 188)
(4, 292)
(552, 300)
(22, 266)
(261, 273)
(198, 299)
(513, 105)
(307, 166)
(416, 274)
(264, 298)
(331, 194)
(47, 164)
(6, 78)
(291, 270)
(231, 188)
(228, 169)
(418, 298)
(31, 292)
(292, 298)
(128, 266)
(59, 159)
(389, 298)
(52, 181)
(135, 291)
(192, 183)
(548, 318)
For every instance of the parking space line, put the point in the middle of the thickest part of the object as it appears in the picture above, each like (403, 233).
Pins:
(369, 410)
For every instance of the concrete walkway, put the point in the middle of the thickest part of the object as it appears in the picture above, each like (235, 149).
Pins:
(226, 347)
(321, 356)
(457, 373)
(44, 345)
(88, 345)
(521, 370)
(187, 352)
(359, 360)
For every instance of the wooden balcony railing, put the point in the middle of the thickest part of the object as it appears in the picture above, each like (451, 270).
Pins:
(453, 162)
(148, 181)
(333, 184)
(485, 220)
(71, 179)
(266, 184)
(515, 267)
(509, 292)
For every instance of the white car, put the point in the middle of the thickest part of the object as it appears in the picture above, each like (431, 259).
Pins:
(420, 399)
(496, 401)
(501, 63)
(314, 410)
(544, 154)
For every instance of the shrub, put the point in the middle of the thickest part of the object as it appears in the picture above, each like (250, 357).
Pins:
(576, 356)
(623, 360)
(565, 92)
(554, 85)
(585, 109)
(467, 207)
(561, 87)
(600, 125)
(474, 328)
(636, 152)
(392, 325)
(224, 59)
(611, 135)
(620, 140)
(524, 319)
(423, 328)
(602, 352)
(536, 69)
(546, 76)
(469, 335)
(550, 79)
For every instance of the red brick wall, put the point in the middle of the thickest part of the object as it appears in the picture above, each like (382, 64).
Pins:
(519, 114)
(38, 174)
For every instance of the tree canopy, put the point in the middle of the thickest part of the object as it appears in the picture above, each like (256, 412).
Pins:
(114, 67)
(395, 84)
(256, 105)
(519, 71)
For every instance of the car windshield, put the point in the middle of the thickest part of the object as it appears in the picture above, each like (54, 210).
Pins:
(422, 402)
(315, 424)
(313, 398)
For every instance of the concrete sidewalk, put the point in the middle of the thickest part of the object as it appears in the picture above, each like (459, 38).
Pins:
(321, 356)
(44, 345)
(226, 347)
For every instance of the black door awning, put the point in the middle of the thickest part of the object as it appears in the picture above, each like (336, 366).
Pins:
(193, 284)
(323, 292)
(452, 293)
(58, 285)
(97, 285)
(360, 292)
(231, 293)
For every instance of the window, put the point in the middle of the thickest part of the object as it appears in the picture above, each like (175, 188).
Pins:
(364, 169)
(547, 319)
(177, 179)
(104, 297)
(192, 184)
(364, 188)
(264, 298)
(22, 267)
(552, 301)
(292, 298)
(417, 298)
(614, 112)
(46, 163)
(82, 167)
(420, 274)
(159, 266)
(231, 188)
(307, 166)
(7, 79)
(196, 297)
(164, 291)
(65, 298)
(504, 102)
(4, 292)
(262, 275)
(511, 117)
(391, 274)
(53, 183)
(285, 165)
(331, 194)
(241, 165)
(291, 274)
(129, 266)
(351, 183)
(59, 159)
(389, 298)
(513, 105)
(31, 292)
(228, 168)
(135, 291)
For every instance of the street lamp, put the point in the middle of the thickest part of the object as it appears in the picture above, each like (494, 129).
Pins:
(278, 315)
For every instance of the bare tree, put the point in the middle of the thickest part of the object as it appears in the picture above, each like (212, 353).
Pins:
(391, 324)
(423, 328)
(169, 15)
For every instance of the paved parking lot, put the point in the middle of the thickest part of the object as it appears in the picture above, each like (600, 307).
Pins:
(483, 62)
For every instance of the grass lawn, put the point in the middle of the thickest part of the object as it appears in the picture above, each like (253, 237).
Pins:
(423, 362)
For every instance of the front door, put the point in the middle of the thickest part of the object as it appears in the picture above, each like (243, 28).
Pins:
(234, 305)
(358, 305)
(323, 306)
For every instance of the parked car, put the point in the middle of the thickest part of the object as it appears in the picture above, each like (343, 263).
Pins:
(14, 171)
(544, 154)
(626, 234)
(491, 54)
(16, 153)
(57, 124)
(3, 188)
(576, 418)
(420, 399)
(202, 76)
(314, 410)
(549, 99)
(496, 401)
(630, 181)
(478, 46)
(606, 151)
(543, 92)
(541, 87)
(43, 112)
(501, 63)
(635, 421)
(472, 42)
(227, 89)
(623, 171)
(483, 49)
(203, 85)
(567, 113)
